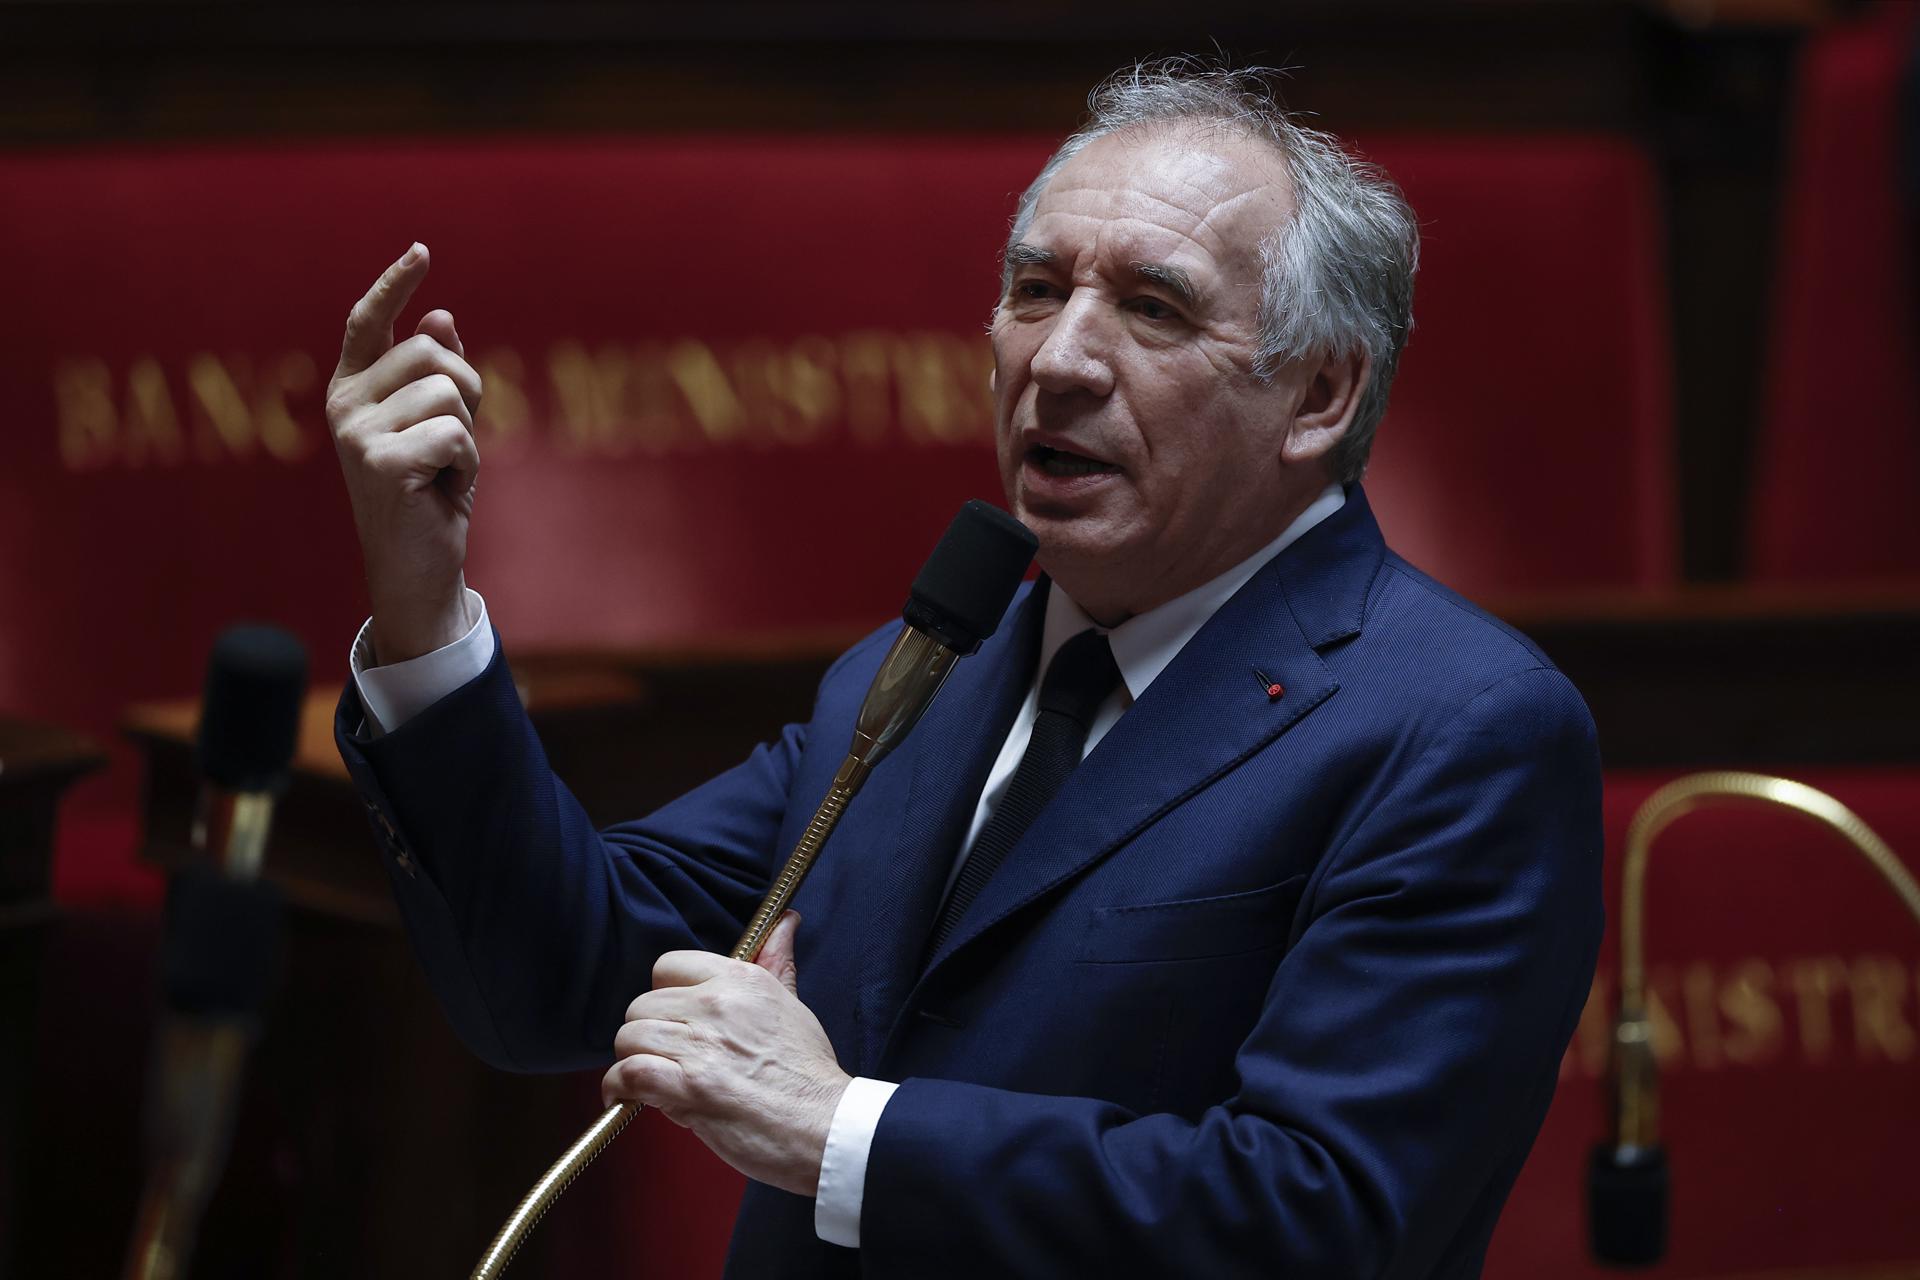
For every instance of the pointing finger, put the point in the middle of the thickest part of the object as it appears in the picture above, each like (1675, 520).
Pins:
(370, 323)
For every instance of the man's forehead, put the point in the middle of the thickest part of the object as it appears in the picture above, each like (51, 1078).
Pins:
(1211, 186)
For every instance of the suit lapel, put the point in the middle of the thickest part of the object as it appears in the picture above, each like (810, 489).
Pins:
(947, 758)
(1206, 713)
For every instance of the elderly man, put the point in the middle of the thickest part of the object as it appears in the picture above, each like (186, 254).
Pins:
(1274, 982)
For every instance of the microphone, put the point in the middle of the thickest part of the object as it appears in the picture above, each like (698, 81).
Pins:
(956, 602)
(249, 721)
(220, 947)
(1627, 1178)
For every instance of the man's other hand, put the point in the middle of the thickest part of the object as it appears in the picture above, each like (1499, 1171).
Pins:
(402, 421)
(726, 1049)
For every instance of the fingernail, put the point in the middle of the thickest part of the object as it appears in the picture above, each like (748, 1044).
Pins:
(413, 252)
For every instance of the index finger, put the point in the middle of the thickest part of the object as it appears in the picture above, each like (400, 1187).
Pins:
(370, 323)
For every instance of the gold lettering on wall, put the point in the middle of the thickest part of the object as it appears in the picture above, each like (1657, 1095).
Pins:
(1878, 985)
(658, 420)
(222, 421)
(1668, 1041)
(505, 416)
(589, 396)
(653, 398)
(1703, 1015)
(1814, 982)
(1755, 1028)
(698, 376)
(231, 411)
(152, 428)
(88, 424)
(802, 378)
(940, 401)
(281, 435)
(1754, 1012)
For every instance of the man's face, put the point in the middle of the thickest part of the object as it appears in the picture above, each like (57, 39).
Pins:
(1133, 436)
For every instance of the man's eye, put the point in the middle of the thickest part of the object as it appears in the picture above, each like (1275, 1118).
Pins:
(1032, 289)
(1154, 309)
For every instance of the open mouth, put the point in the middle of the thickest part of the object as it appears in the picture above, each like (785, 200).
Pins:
(1059, 462)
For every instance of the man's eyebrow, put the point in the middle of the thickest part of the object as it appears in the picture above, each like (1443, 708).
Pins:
(1022, 254)
(1172, 279)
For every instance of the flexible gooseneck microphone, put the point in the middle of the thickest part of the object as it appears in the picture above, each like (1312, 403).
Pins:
(249, 723)
(954, 604)
(1627, 1176)
(221, 942)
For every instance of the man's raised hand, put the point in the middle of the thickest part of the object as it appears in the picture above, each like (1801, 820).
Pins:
(402, 421)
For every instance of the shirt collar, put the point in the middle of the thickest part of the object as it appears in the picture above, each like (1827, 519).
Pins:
(1144, 644)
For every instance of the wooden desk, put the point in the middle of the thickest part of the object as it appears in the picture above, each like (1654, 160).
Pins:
(37, 764)
(626, 734)
(1724, 676)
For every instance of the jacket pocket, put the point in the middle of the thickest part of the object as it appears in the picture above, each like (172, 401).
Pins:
(1193, 928)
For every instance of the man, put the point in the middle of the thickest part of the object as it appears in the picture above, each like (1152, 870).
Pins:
(1275, 982)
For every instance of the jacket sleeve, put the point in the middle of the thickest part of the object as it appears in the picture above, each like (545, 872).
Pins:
(1401, 1065)
(535, 929)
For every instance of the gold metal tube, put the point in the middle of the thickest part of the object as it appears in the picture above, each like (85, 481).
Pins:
(1635, 1070)
(534, 1205)
(909, 676)
(868, 748)
(197, 1073)
(231, 829)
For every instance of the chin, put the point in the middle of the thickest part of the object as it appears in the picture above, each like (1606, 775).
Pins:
(1069, 550)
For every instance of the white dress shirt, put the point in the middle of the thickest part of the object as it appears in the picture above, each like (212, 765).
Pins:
(1142, 647)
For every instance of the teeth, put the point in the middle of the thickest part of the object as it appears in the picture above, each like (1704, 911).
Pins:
(1056, 463)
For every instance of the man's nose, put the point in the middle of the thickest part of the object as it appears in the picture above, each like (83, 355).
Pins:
(1076, 355)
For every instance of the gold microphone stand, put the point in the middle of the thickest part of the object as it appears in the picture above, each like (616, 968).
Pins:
(1634, 1069)
(913, 671)
(1633, 1031)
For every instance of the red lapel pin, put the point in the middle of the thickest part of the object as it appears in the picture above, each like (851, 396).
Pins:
(1273, 687)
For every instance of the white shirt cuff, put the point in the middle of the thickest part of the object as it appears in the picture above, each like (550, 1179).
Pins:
(843, 1168)
(393, 695)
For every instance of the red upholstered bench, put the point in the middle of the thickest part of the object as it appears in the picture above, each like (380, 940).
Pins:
(1527, 449)
(1837, 485)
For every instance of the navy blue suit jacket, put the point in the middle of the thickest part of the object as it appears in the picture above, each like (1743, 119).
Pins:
(1274, 986)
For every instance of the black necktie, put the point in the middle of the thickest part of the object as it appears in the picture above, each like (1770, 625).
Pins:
(1078, 680)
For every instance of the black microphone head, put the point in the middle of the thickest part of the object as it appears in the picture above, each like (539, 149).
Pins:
(970, 578)
(220, 951)
(250, 716)
(1627, 1205)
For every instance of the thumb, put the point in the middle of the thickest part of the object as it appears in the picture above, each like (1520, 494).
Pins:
(370, 323)
(776, 956)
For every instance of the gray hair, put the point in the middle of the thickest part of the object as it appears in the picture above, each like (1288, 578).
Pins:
(1336, 278)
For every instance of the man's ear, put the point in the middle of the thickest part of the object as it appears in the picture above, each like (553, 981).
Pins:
(1326, 408)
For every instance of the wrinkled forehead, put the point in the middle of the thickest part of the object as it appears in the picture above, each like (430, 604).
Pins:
(1204, 193)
